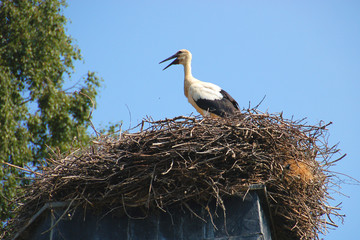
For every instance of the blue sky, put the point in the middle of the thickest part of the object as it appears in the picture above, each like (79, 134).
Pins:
(303, 55)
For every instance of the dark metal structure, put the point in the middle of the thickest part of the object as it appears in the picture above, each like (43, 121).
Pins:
(247, 218)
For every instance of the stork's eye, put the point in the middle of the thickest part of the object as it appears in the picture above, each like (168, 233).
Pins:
(180, 52)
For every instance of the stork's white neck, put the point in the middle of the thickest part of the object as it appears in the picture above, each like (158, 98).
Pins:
(187, 70)
(188, 78)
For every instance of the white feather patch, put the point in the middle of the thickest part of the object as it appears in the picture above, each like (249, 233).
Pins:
(205, 90)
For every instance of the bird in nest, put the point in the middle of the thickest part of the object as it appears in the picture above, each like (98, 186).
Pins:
(207, 98)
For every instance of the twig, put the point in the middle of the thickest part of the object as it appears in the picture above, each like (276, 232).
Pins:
(260, 102)
(62, 215)
(23, 169)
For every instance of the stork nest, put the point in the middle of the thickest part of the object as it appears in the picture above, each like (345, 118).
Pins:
(186, 159)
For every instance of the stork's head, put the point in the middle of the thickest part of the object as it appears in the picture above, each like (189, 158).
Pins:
(183, 56)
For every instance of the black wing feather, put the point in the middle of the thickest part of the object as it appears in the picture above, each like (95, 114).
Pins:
(223, 107)
(230, 98)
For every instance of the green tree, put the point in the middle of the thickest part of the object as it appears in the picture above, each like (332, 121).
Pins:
(36, 113)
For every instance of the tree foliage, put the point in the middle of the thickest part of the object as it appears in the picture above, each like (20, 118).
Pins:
(36, 114)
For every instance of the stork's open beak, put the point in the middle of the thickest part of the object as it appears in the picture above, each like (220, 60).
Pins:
(176, 61)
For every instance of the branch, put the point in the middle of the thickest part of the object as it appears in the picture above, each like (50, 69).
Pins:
(24, 169)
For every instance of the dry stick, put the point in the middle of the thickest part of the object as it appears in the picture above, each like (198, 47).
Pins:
(150, 187)
(127, 214)
(67, 209)
(211, 217)
(167, 171)
(129, 115)
(24, 169)
(188, 207)
(260, 102)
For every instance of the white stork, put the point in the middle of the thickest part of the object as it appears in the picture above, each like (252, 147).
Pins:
(207, 98)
